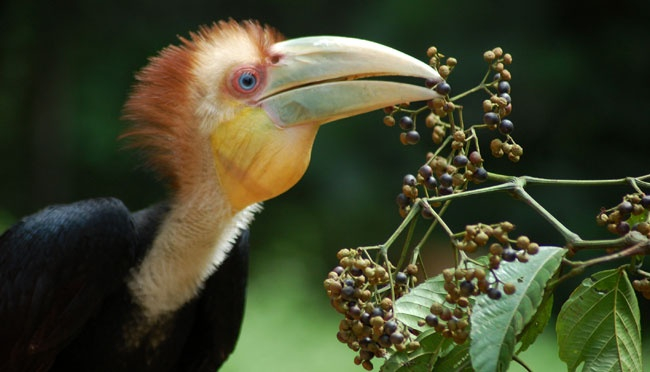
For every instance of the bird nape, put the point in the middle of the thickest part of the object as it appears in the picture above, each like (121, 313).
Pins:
(228, 118)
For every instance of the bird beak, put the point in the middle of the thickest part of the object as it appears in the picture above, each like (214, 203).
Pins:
(313, 80)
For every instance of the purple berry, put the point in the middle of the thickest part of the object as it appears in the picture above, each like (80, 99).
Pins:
(443, 88)
(506, 126)
(446, 179)
(491, 118)
(503, 87)
(406, 123)
(409, 179)
(460, 160)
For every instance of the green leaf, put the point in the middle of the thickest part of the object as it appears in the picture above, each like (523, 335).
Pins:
(600, 325)
(432, 345)
(536, 326)
(415, 305)
(495, 324)
(456, 360)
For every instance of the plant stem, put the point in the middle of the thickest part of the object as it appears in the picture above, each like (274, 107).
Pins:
(569, 236)
(407, 242)
(579, 267)
(415, 209)
(633, 181)
(521, 363)
(416, 250)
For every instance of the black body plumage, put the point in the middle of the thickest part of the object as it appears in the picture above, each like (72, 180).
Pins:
(65, 305)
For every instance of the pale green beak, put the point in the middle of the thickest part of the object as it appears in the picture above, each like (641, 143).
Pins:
(313, 81)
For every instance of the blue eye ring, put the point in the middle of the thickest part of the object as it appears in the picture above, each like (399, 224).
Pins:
(246, 80)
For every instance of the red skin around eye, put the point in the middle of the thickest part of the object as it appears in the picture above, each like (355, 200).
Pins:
(235, 87)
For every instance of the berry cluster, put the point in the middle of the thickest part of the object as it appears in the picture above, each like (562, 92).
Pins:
(499, 106)
(451, 319)
(630, 214)
(369, 327)
(642, 286)
(440, 107)
(441, 176)
(504, 249)
(509, 148)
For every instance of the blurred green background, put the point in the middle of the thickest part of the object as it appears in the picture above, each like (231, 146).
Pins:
(580, 92)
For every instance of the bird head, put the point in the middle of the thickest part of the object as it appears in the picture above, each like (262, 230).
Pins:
(237, 103)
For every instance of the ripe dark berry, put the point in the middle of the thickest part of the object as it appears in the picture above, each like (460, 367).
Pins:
(506, 126)
(494, 293)
(402, 200)
(338, 270)
(443, 88)
(401, 278)
(425, 171)
(384, 340)
(460, 160)
(409, 179)
(355, 271)
(446, 179)
(442, 190)
(645, 201)
(480, 174)
(347, 292)
(466, 287)
(376, 311)
(354, 312)
(431, 320)
(625, 207)
(430, 183)
(427, 213)
(412, 137)
(390, 327)
(505, 96)
(406, 123)
(509, 254)
(365, 342)
(348, 282)
(623, 228)
(396, 338)
(491, 118)
(503, 87)
(430, 83)
(365, 318)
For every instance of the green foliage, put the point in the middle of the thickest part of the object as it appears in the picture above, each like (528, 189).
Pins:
(536, 325)
(487, 306)
(496, 324)
(432, 347)
(600, 325)
(414, 306)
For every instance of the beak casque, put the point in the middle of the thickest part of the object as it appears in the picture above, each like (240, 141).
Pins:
(314, 80)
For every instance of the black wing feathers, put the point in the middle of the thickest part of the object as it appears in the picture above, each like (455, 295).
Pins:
(219, 314)
(55, 268)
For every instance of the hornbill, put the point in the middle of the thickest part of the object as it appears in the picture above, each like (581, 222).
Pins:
(228, 119)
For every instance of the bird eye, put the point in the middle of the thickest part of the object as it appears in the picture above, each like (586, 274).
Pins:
(246, 80)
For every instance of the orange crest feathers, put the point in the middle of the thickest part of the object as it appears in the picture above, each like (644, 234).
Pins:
(162, 105)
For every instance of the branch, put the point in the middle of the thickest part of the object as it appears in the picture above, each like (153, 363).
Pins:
(578, 267)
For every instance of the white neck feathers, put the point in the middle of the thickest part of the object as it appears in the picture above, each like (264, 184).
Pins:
(193, 240)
